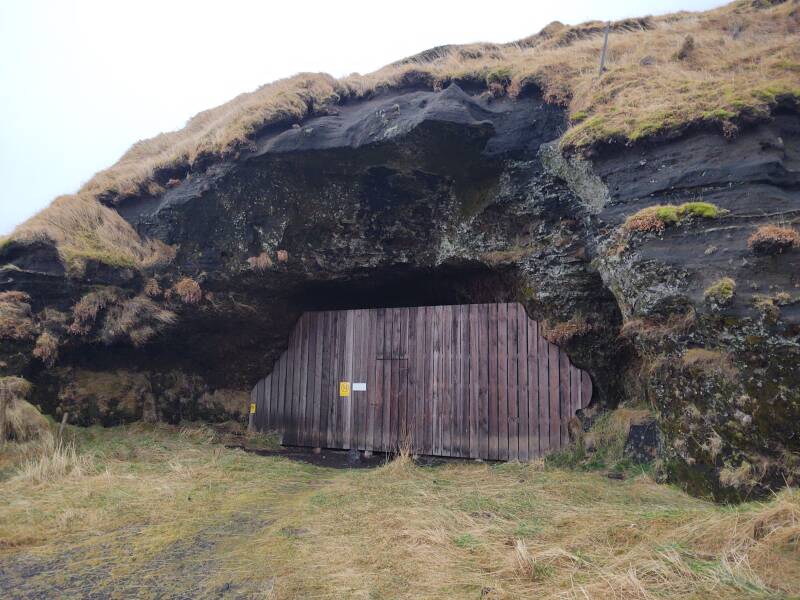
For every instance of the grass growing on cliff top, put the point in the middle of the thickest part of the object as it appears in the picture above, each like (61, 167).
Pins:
(161, 512)
(663, 73)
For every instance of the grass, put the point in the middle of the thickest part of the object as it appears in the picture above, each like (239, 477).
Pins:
(721, 291)
(742, 63)
(658, 217)
(159, 511)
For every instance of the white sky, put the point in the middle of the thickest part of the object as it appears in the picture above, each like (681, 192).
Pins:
(81, 80)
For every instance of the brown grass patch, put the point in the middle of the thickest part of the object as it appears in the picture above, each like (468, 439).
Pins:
(188, 290)
(706, 361)
(19, 420)
(16, 321)
(562, 332)
(46, 348)
(260, 263)
(772, 239)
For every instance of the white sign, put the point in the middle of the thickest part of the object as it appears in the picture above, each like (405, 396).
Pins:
(359, 387)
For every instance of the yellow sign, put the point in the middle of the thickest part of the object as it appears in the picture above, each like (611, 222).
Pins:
(344, 389)
(252, 408)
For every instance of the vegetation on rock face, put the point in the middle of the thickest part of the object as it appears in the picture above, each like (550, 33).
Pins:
(188, 290)
(657, 218)
(741, 62)
(16, 321)
(772, 239)
(721, 291)
(19, 420)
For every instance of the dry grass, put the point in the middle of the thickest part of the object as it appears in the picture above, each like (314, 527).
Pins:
(19, 420)
(773, 239)
(260, 263)
(166, 514)
(562, 332)
(46, 348)
(52, 461)
(137, 319)
(15, 316)
(84, 230)
(743, 60)
(657, 218)
(704, 361)
(188, 290)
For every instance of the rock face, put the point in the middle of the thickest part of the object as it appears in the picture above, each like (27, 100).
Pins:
(424, 197)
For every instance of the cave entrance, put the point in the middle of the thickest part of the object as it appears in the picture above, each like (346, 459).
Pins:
(465, 380)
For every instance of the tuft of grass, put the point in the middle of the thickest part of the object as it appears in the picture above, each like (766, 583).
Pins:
(773, 239)
(188, 290)
(54, 461)
(656, 218)
(721, 291)
(16, 322)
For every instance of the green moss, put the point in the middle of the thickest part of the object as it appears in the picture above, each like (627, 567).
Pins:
(718, 114)
(579, 116)
(721, 291)
(501, 75)
(698, 209)
(668, 214)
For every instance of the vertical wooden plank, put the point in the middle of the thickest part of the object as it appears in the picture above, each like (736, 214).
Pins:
(387, 382)
(394, 395)
(402, 408)
(363, 406)
(287, 392)
(327, 379)
(544, 396)
(555, 440)
(428, 380)
(274, 406)
(320, 334)
(473, 381)
(355, 374)
(563, 397)
(267, 401)
(411, 393)
(436, 381)
(297, 376)
(483, 381)
(418, 357)
(303, 372)
(493, 404)
(380, 337)
(574, 391)
(513, 385)
(463, 381)
(502, 381)
(333, 393)
(446, 379)
(372, 387)
(522, 383)
(347, 422)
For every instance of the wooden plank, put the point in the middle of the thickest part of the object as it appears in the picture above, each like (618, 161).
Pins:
(296, 367)
(333, 393)
(463, 376)
(366, 361)
(347, 422)
(446, 380)
(394, 398)
(387, 382)
(418, 357)
(402, 408)
(513, 385)
(377, 428)
(262, 418)
(563, 394)
(472, 378)
(317, 395)
(493, 405)
(371, 380)
(544, 396)
(327, 379)
(555, 440)
(483, 381)
(355, 376)
(281, 422)
(303, 384)
(502, 381)
(411, 392)
(522, 383)
(427, 416)
(434, 366)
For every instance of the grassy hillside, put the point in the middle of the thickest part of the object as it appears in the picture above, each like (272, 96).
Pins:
(717, 68)
(154, 512)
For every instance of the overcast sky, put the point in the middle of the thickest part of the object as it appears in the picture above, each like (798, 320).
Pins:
(80, 80)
